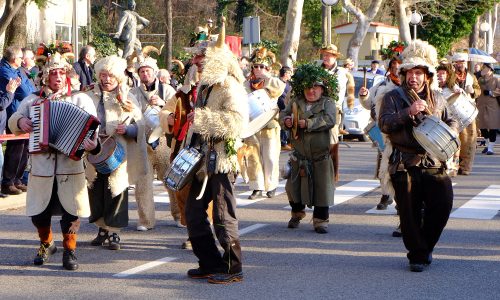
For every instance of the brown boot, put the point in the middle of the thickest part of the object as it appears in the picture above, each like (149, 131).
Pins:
(334, 153)
(47, 246)
(320, 226)
(295, 219)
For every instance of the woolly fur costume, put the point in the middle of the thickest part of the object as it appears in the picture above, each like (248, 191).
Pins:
(226, 109)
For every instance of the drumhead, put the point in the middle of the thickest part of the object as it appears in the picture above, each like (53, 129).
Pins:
(258, 123)
(155, 134)
(108, 146)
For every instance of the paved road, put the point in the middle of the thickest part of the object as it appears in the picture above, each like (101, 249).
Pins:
(358, 259)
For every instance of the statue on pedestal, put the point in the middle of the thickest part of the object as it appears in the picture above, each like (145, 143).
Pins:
(128, 26)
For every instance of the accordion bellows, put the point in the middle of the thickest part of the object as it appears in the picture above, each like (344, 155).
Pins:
(62, 126)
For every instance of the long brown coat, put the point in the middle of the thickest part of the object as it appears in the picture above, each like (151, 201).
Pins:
(313, 186)
(488, 106)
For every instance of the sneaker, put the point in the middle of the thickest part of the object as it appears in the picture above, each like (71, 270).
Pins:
(271, 194)
(114, 241)
(69, 260)
(187, 245)
(255, 194)
(142, 228)
(384, 202)
(101, 237)
(11, 190)
(224, 278)
(44, 252)
(198, 274)
(21, 187)
(417, 267)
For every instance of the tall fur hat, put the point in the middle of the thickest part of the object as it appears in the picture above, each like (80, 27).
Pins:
(146, 62)
(220, 62)
(419, 54)
(114, 65)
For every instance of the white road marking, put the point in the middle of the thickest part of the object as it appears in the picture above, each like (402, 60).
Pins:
(251, 228)
(352, 190)
(391, 209)
(242, 198)
(144, 267)
(164, 260)
(483, 206)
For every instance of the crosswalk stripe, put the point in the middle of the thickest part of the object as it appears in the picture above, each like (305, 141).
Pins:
(164, 260)
(352, 190)
(483, 206)
(391, 209)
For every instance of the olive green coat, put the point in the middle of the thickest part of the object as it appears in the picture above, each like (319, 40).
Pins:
(314, 185)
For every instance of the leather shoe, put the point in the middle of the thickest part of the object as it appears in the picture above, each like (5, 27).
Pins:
(255, 194)
(11, 190)
(271, 194)
(223, 278)
(385, 201)
(22, 187)
(485, 150)
(69, 260)
(286, 148)
(199, 274)
(417, 267)
(44, 253)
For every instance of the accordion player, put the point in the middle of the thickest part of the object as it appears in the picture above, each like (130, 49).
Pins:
(61, 125)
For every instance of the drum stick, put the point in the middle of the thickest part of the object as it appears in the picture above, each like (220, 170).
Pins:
(364, 77)
(416, 97)
(122, 122)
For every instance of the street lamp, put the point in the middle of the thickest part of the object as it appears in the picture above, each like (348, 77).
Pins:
(328, 12)
(485, 27)
(415, 19)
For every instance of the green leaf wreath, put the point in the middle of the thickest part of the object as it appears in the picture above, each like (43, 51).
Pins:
(307, 75)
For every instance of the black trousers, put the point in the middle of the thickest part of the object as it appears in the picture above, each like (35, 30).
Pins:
(15, 161)
(54, 208)
(490, 134)
(427, 189)
(219, 190)
(319, 212)
(114, 211)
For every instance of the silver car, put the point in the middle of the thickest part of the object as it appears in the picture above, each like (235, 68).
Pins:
(357, 117)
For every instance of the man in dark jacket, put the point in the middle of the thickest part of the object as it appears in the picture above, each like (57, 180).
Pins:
(16, 152)
(83, 67)
(419, 178)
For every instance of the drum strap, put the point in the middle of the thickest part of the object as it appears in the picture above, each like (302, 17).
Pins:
(403, 96)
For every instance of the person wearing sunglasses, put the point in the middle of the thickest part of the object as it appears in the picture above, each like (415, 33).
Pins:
(264, 147)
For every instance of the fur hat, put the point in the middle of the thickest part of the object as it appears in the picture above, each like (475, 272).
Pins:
(419, 54)
(114, 65)
(460, 56)
(220, 63)
(332, 49)
(146, 62)
(56, 61)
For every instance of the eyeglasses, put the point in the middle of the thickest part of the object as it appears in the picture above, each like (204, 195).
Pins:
(259, 67)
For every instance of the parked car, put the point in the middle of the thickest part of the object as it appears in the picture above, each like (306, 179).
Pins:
(357, 117)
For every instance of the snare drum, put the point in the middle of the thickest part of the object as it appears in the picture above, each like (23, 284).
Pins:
(183, 168)
(462, 109)
(436, 138)
(375, 135)
(261, 110)
(109, 158)
(152, 120)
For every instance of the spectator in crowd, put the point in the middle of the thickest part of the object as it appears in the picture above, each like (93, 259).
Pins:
(375, 68)
(28, 66)
(285, 76)
(5, 101)
(16, 151)
(349, 64)
(83, 67)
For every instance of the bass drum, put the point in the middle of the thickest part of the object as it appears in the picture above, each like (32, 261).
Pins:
(261, 110)
(109, 158)
(183, 168)
(437, 138)
(462, 109)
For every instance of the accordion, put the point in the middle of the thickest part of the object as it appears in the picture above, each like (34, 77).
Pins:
(61, 125)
